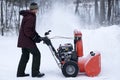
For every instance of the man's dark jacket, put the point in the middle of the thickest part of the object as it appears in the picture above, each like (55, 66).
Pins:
(27, 30)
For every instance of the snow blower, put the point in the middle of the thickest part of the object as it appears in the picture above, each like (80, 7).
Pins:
(70, 60)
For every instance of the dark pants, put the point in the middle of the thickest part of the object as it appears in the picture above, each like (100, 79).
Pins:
(25, 57)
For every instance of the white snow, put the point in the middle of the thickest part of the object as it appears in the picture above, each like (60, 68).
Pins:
(106, 40)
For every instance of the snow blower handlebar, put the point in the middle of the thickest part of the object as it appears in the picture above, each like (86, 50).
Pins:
(47, 41)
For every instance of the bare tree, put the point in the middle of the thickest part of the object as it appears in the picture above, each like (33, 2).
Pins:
(115, 15)
(6, 14)
(109, 10)
(45, 5)
(96, 11)
(102, 11)
(117, 11)
(2, 19)
(77, 2)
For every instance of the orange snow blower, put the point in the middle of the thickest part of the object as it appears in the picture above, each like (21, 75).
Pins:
(70, 60)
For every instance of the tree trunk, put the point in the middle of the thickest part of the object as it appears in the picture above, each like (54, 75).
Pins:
(2, 19)
(113, 12)
(117, 7)
(6, 15)
(11, 16)
(77, 6)
(109, 11)
(18, 27)
(96, 11)
(102, 11)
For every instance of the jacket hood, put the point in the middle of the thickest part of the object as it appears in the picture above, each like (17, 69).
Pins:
(25, 12)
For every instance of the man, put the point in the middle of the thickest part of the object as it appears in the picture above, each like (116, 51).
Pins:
(28, 37)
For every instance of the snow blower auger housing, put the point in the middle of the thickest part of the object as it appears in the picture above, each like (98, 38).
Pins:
(70, 59)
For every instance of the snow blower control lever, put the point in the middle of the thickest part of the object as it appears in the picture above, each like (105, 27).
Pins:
(47, 33)
(67, 57)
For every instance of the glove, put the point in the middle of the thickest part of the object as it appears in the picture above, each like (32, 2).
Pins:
(36, 38)
(46, 40)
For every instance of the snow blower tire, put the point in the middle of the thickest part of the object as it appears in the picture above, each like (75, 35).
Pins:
(70, 69)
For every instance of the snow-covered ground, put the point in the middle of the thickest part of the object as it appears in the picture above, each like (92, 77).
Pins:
(106, 40)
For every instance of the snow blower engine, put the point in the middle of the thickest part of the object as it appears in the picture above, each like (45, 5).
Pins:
(69, 59)
(66, 53)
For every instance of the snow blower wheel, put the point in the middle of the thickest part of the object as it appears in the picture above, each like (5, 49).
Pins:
(70, 69)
